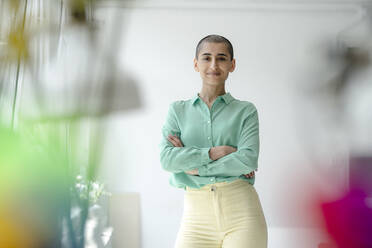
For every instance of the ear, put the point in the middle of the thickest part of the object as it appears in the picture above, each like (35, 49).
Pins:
(232, 66)
(196, 65)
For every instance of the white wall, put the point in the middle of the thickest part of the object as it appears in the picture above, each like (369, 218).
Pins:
(278, 51)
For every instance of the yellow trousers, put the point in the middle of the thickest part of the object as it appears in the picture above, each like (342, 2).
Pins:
(226, 214)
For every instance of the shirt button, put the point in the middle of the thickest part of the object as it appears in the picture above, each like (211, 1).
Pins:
(209, 122)
(212, 179)
(209, 138)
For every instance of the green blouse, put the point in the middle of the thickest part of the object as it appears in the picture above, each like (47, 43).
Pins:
(229, 122)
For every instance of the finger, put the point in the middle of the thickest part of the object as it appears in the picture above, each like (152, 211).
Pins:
(176, 143)
(172, 137)
(171, 140)
(176, 139)
(192, 172)
(250, 175)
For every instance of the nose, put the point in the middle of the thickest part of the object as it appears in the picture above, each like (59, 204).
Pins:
(213, 63)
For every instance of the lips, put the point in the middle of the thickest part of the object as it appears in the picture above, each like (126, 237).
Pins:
(214, 73)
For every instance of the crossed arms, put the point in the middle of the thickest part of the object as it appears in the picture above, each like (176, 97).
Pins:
(224, 161)
(214, 153)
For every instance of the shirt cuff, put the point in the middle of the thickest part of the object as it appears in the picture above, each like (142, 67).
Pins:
(205, 159)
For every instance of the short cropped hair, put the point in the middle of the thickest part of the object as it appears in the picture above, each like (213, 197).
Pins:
(214, 38)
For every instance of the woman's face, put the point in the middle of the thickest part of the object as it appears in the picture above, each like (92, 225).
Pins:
(214, 63)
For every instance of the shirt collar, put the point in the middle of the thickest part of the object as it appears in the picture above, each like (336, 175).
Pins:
(227, 98)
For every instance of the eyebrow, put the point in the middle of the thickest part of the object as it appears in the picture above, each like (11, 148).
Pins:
(219, 54)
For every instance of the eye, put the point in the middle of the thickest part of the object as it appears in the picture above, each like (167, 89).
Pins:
(222, 58)
(206, 58)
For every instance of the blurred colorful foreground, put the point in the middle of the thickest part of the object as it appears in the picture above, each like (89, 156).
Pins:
(34, 192)
(348, 219)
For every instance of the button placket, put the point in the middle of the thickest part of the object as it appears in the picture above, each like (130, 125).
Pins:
(209, 130)
(209, 124)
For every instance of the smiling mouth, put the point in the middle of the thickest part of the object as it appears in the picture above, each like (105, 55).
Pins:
(214, 74)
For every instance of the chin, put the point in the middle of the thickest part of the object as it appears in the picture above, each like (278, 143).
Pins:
(215, 80)
(216, 83)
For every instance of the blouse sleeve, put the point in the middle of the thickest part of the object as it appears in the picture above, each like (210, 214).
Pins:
(244, 160)
(179, 159)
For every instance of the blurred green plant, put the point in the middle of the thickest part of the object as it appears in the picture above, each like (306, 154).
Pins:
(34, 191)
(43, 203)
(97, 189)
(40, 161)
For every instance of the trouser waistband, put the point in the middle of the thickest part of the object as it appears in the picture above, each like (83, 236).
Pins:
(220, 185)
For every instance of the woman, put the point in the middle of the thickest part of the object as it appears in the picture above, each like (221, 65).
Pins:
(210, 145)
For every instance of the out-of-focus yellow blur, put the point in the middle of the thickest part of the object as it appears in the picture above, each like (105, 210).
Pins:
(33, 192)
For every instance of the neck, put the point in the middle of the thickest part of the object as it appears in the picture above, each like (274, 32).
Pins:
(210, 93)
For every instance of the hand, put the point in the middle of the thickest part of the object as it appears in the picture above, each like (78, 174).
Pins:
(178, 143)
(220, 151)
(250, 175)
(175, 140)
(194, 172)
